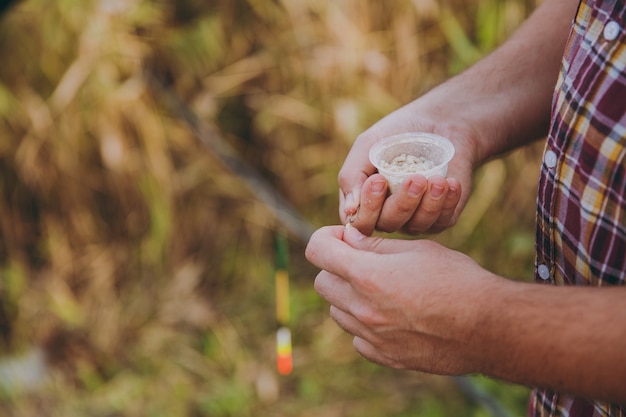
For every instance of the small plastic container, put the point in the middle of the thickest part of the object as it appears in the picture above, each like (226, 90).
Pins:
(432, 151)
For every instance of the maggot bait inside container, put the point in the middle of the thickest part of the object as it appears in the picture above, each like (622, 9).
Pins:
(398, 156)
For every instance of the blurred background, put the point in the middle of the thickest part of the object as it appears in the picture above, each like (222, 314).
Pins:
(153, 153)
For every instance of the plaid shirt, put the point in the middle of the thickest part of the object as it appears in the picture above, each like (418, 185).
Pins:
(581, 206)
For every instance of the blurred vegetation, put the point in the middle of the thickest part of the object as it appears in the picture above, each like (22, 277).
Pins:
(140, 268)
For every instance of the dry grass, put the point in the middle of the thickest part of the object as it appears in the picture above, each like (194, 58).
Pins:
(142, 266)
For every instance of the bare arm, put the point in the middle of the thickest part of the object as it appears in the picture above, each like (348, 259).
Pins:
(417, 305)
(500, 103)
(506, 97)
(570, 339)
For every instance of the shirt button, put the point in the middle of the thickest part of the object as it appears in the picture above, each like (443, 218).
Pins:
(550, 159)
(544, 272)
(611, 30)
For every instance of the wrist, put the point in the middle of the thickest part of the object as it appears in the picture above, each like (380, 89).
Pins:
(485, 345)
(455, 120)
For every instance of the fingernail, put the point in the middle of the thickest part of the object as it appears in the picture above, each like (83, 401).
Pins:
(415, 189)
(436, 191)
(378, 187)
(452, 192)
(351, 233)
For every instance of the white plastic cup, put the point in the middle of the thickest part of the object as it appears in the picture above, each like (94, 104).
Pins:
(434, 148)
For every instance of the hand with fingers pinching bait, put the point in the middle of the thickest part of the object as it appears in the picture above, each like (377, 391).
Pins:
(399, 317)
(419, 205)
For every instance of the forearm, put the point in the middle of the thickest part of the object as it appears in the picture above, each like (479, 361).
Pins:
(418, 305)
(506, 96)
(570, 339)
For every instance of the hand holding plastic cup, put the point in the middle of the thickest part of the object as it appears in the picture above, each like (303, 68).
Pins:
(398, 156)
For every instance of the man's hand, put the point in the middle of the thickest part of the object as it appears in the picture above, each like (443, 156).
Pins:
(501, 102)
(419, 205)
(409, 304)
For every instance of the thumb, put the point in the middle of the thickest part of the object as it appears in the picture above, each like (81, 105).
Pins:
(358, 240)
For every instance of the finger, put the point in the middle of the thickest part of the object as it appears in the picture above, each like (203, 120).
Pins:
(460, 172)
(368, 246)
(329, 252)
(430, 207)
(447, 217)
(323, 238)
(351, 255)
(333, 289)
(372, 200)
(352, 325)
(400, 207)
(371, 353)
(349, 323)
